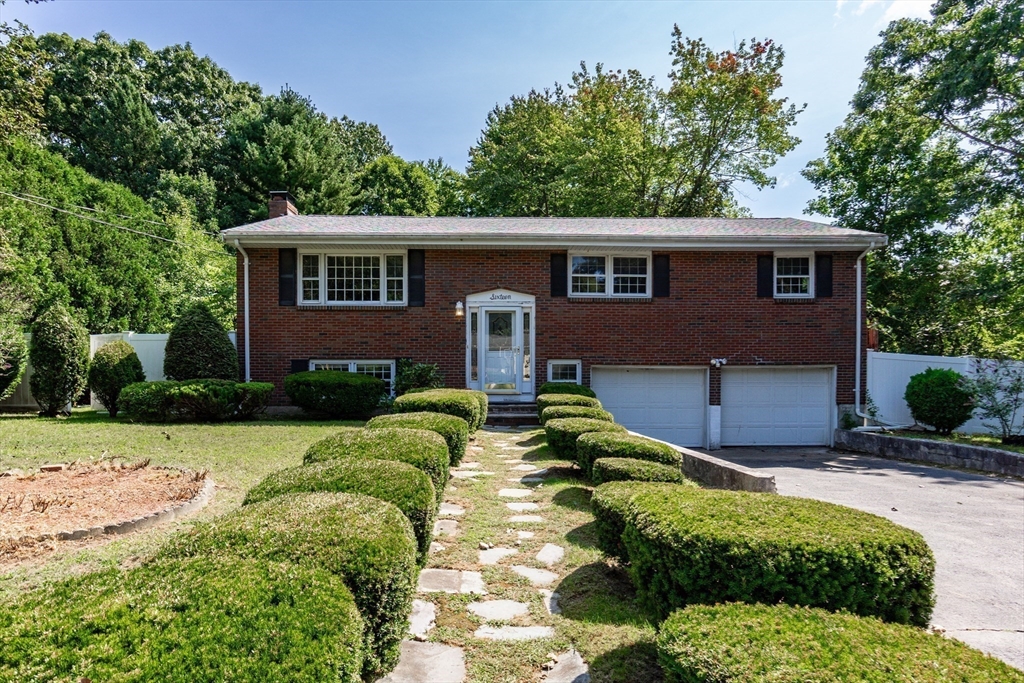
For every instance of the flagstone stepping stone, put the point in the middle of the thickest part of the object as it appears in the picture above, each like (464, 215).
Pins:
(469, 465)
(538, 577)
(526, 518)
(525, 534)
(436, 547)
(469, 474)
(451, 510)
(445, 527)
(522, 507)
(550, 554)
(514, 632)
(475, 448)
(498, 610)
(495, 555)
(531, 480)
(450, 581)
(422, 618)
(420, 662)
(569, 668)
(515, 493)
(550, 601)
(525, 467)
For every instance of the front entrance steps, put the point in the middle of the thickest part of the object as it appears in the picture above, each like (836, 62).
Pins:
(512, 415)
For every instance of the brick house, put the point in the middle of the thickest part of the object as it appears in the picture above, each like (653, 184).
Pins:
(702, 332)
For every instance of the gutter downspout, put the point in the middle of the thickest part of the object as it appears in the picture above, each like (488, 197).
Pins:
(245, 295)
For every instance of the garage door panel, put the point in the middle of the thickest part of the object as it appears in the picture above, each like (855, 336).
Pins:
(667, 404)
(776, 406)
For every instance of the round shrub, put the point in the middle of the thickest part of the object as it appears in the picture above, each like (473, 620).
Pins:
(411, 376)
(13, 356)
(457, 402)
(336, 394)
(566, 388)
(114, 366)
(200, 400)
(367, 542)
(747, 643)
(630, 469)
(595, 445)
(424, 450)
(59, 354)
(482, 399)
(562, 433)
(198, 347)
(688, 545)
(394, 482)
(452, 429)
(548, 400)
(558, 412)
(186, 620)
(941, 398)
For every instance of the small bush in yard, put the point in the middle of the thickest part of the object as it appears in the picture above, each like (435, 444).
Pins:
(336, 394)
(59, 354)
(941, 398)
(411, 376)
(397, 483)
(424, 450)
(558, 412)
(629, 469)
(453, 430)
(199, 347)
(742, 643)
(13, 356)
(115, 366)
(181, 621)
(562, 433)
(566, 388)
(548, 400)
(590, 447)
(688, 545)
(457, 402)
(201, 400)
(367, 542)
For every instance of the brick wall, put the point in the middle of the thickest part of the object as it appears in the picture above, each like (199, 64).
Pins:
(713, 312)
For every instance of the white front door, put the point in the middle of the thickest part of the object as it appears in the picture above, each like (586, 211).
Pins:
(502, 350)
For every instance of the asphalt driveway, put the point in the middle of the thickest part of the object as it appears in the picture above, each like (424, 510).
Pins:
(974, 524)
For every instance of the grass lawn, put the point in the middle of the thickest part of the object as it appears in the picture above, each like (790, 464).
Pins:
(963, 439)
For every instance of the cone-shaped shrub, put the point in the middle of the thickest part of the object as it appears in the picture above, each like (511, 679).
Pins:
(115, 366)
(59, 354)
(453, 429)
(548, 400)
(595, 445)
(198, 347)
(562, 433)
(13, 356)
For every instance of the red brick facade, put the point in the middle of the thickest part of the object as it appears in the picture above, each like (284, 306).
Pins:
(712, 312)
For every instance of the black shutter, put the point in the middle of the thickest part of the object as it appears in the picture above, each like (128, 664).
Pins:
(559, 275)
(823, 275)
(661, 278)
(765, 276)
(286, 288)
(299, 365)
(417, 278)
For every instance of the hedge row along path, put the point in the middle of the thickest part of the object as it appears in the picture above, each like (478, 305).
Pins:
(515, 588)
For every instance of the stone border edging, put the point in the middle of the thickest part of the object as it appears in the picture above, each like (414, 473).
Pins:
(968, 457)
(720, 473)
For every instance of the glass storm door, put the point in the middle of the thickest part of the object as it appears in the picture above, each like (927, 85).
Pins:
(501, 351)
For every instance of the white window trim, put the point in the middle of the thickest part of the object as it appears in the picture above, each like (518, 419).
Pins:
(809, 255)
(609, 275)
(382, 255)
(352, 366)
(579, 371)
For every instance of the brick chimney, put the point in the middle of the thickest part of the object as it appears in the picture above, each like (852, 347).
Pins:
(282, 204)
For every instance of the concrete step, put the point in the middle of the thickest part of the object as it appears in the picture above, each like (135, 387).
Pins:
(512, 415)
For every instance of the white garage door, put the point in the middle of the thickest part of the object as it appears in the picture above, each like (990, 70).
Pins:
(776, 406)
(666, 404)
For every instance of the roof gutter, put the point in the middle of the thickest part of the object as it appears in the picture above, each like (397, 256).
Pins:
(245, 296)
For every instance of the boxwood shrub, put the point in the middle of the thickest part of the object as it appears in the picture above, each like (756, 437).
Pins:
(610, 505)
(941, 398)
(367, 542)
(114, 366)
(186, 620)
(394, 482)
(747, 643)
(590, 447)
(59, 355)
(199, 400)
(566, 388)
(562, 433)
(484, 402)
(199, 347)
(457, 402)
(423, 449)
(548, 400)
(335, 394)
(631, 469)
(689, 545)
(453, 430)
(558, 412)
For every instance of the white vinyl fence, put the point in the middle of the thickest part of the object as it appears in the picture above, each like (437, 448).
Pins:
(889, 373)
(149, 347)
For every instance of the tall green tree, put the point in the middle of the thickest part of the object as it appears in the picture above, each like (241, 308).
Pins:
(23, 82)
(390, 186)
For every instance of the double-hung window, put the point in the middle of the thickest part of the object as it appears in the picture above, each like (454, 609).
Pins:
(794, 276)
(353, 279)
(609, 275)
(383, 370)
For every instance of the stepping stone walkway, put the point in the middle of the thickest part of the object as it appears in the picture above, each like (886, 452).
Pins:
(514, 632)
(550, 554)
(422, 618)
(531, 480)
(450, 581)
(569, 668)
(451, 510)
(498, 610)
(436, 547)
(525, 534)
(538, 577)
(522, 507)
(421, 662)
(515, 493)
(495, 555)
(550, 601)
(526, 518)
(469, 474)
(525, 468)
(445, 527)
(469, 465)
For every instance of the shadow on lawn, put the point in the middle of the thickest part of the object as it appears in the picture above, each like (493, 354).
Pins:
(600, 593)
(575, 497)
(584, 536)
(636, 663)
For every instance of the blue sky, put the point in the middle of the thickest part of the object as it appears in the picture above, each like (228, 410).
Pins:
(428, 72)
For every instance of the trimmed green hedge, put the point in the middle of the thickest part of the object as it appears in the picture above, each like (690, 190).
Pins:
(688, 545)
(336, 394)
(182, 621)
(453, 430)
(457, 402)
(590, 447)
(610, 505)
(367, 542)
(59, 356)
(559, 412)
(423, 449)
(114, 366)
(548, 400)
(631, 469)
(484, 402)
(394, 482)
(199, 347)
(752, 643)
(566, 388)
(562, 433)
(198, 400)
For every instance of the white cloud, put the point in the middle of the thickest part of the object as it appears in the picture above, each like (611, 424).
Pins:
(894, 9)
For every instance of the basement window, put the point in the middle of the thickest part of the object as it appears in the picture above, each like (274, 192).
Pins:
(567, 371)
